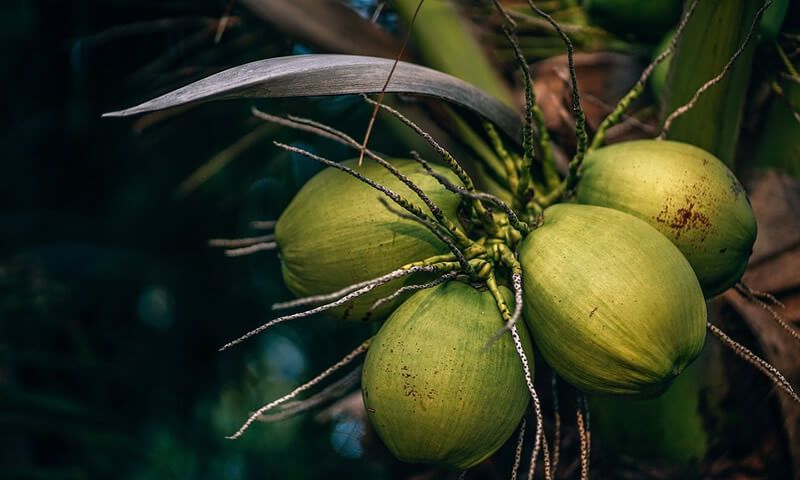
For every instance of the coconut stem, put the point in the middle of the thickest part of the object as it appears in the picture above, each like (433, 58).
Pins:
(500, 150)
(341, 363)
(334, 390)
(688, 106)
(446, 156)
(540, 148)
(465, 266)
(513, 220)
(638, 88)
(518, 450)
(771, 372)
(580, 118)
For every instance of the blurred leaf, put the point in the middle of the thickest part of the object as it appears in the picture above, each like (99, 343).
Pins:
(328, 24)
(445, 40)
(320, 74)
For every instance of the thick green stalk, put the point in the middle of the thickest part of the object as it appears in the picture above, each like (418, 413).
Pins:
(713, 34)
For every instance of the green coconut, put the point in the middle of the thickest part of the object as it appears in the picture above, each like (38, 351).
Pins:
(336, 233)
(612, 304)
(685, 193)
(432, 390)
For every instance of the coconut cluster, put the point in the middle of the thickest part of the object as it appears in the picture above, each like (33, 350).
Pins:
(612, 289)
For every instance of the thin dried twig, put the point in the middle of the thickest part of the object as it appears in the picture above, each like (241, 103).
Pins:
(389, 78)
(355, 294)
(334, 390)
(557, 421)
(756, 297)
(412, 288)
(688, 106)
(743, 352)
(239, 242)
(518, 450)
(258, 247)
(584, 438)
(297, 391)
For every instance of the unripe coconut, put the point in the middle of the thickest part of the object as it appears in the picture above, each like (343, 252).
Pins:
(612, 304)
(432, 390)
(336, 233)
(685, 193)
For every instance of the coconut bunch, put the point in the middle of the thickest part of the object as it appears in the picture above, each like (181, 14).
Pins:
(605, 271)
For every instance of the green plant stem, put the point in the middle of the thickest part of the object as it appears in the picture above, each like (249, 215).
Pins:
(713, 34)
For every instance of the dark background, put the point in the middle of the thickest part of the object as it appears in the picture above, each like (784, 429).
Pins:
(112, 306)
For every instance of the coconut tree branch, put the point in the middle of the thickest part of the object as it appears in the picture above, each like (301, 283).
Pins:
(435, 209)
(538, 139)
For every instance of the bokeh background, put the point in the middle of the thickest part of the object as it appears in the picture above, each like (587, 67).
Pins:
(112, 305)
